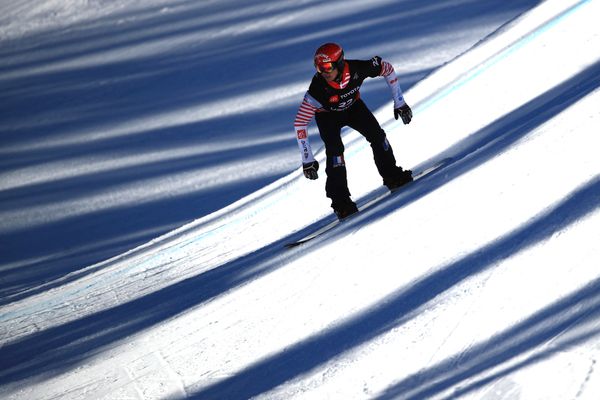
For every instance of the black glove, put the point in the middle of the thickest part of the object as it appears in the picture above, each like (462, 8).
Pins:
(310, 170)
(404, 112)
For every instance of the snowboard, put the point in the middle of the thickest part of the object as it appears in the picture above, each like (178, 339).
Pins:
(369, 203)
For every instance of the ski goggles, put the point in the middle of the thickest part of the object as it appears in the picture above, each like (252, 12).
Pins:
(326, 67)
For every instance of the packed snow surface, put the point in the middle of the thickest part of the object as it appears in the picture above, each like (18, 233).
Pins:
(149, 182)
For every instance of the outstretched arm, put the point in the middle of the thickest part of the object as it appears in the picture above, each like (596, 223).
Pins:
(305, 113)
(401, 109)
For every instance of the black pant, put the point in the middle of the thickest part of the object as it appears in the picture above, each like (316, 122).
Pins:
(361, 119)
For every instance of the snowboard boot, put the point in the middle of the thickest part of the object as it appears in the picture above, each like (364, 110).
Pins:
(402, 178)
(344, 208)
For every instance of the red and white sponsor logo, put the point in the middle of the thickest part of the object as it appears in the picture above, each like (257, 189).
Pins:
(322, 58)
(302, 134)
(334, 99)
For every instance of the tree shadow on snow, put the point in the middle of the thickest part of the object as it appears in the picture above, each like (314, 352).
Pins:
(490, 141)
(399, 308)
(79, 96)
(59, 348)
(482, 146)
(567, 323)
(89, 235)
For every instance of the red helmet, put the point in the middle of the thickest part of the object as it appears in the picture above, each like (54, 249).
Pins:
(328, 57)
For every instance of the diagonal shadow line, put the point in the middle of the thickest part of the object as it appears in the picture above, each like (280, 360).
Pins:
(575, 310)
(485, 144)
(469, 9)
(82, 336)
(76, 339)
(73, 186)
(56, 349)
(578, 339)
(56, 271)
(186, 21)
(157, 306)
(152, 26)
(73, 83)
(400, 307)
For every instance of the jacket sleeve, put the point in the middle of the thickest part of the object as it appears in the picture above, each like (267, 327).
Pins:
(387, 71)
(306, 112)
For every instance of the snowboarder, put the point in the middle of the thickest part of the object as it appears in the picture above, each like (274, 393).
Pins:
(333, 98)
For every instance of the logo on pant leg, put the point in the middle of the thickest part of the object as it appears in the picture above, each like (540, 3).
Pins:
(338, 161)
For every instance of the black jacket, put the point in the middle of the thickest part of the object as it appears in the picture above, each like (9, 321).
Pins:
(339, 96)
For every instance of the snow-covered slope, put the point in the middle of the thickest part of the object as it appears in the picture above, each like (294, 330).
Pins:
(123, 120)
(479, 281)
